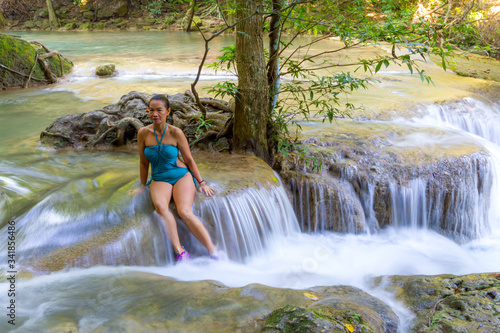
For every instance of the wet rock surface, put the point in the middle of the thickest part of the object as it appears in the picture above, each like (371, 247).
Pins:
(87, 218)
(388, 166)
(105, 70)
(450, 303)
(127, 301)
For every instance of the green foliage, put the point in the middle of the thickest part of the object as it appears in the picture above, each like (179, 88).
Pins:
(202, 125)
(436, 318)
(226, 62)
(154, 7)
(311, 84)
(169, 20)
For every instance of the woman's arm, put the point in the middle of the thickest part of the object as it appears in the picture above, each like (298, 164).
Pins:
(143, 161)
(183, 146)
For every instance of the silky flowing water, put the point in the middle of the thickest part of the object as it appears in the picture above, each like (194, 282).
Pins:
(61, 198)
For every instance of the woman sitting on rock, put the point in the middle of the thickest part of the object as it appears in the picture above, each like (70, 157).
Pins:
(170, 176)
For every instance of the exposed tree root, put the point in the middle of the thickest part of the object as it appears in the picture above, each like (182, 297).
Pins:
(31, 72)
(118, 124)
(227, 130)
(40, 59)
(58, 135)
(216, 104)
(120, 128)
(133, 95)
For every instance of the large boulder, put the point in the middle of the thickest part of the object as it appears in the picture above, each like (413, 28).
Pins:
(18, 56)
(99, 223)
(112, 8)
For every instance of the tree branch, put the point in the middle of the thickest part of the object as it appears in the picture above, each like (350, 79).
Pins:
(31, 71)
(21, 74)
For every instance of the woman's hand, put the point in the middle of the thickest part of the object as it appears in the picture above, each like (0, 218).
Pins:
(204, 188)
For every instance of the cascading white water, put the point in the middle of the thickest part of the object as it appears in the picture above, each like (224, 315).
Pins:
(247, 222)
(454, 196)
(283, 258)
(458, 209)
(481, 119)
(472, 114)
(327, 205)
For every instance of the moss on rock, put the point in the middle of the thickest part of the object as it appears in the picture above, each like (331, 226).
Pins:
(449, 303)
(19, 55)
(105, 70)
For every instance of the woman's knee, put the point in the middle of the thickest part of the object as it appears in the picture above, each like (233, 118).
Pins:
(161, 208)
(185, 213)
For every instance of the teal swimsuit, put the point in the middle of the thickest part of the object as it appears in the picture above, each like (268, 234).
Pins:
(163, 159)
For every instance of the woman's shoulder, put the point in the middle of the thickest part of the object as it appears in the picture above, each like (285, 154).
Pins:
(145, 129)
(175, 130)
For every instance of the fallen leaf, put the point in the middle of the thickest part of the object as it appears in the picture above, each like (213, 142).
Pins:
(311, 296)
(349, 327)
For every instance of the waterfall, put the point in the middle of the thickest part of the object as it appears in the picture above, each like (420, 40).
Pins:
(454, 196)
(480, 118)
(327, 204)
(93, 222)
(245, 222)
(472, 115)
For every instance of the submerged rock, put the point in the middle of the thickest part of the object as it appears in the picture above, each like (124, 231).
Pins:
(449, 303)
(120, 300)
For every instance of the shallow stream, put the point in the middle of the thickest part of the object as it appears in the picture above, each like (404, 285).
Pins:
(52, 196)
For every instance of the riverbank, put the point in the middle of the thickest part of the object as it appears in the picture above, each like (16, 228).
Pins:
(115, 16)
(120, 15)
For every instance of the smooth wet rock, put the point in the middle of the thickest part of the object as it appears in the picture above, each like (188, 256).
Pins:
(449, 303)
(94, 221)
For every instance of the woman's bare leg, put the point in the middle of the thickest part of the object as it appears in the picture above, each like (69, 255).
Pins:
(161, 192)
(183, 193)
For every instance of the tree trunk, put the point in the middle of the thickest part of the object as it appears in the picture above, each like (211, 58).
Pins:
(3, 21)
(189, 16)
(273, 68)
(251, 116)
(53, 20)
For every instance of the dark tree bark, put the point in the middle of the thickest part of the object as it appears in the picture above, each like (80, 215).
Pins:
(273, 69)
(251, 116)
